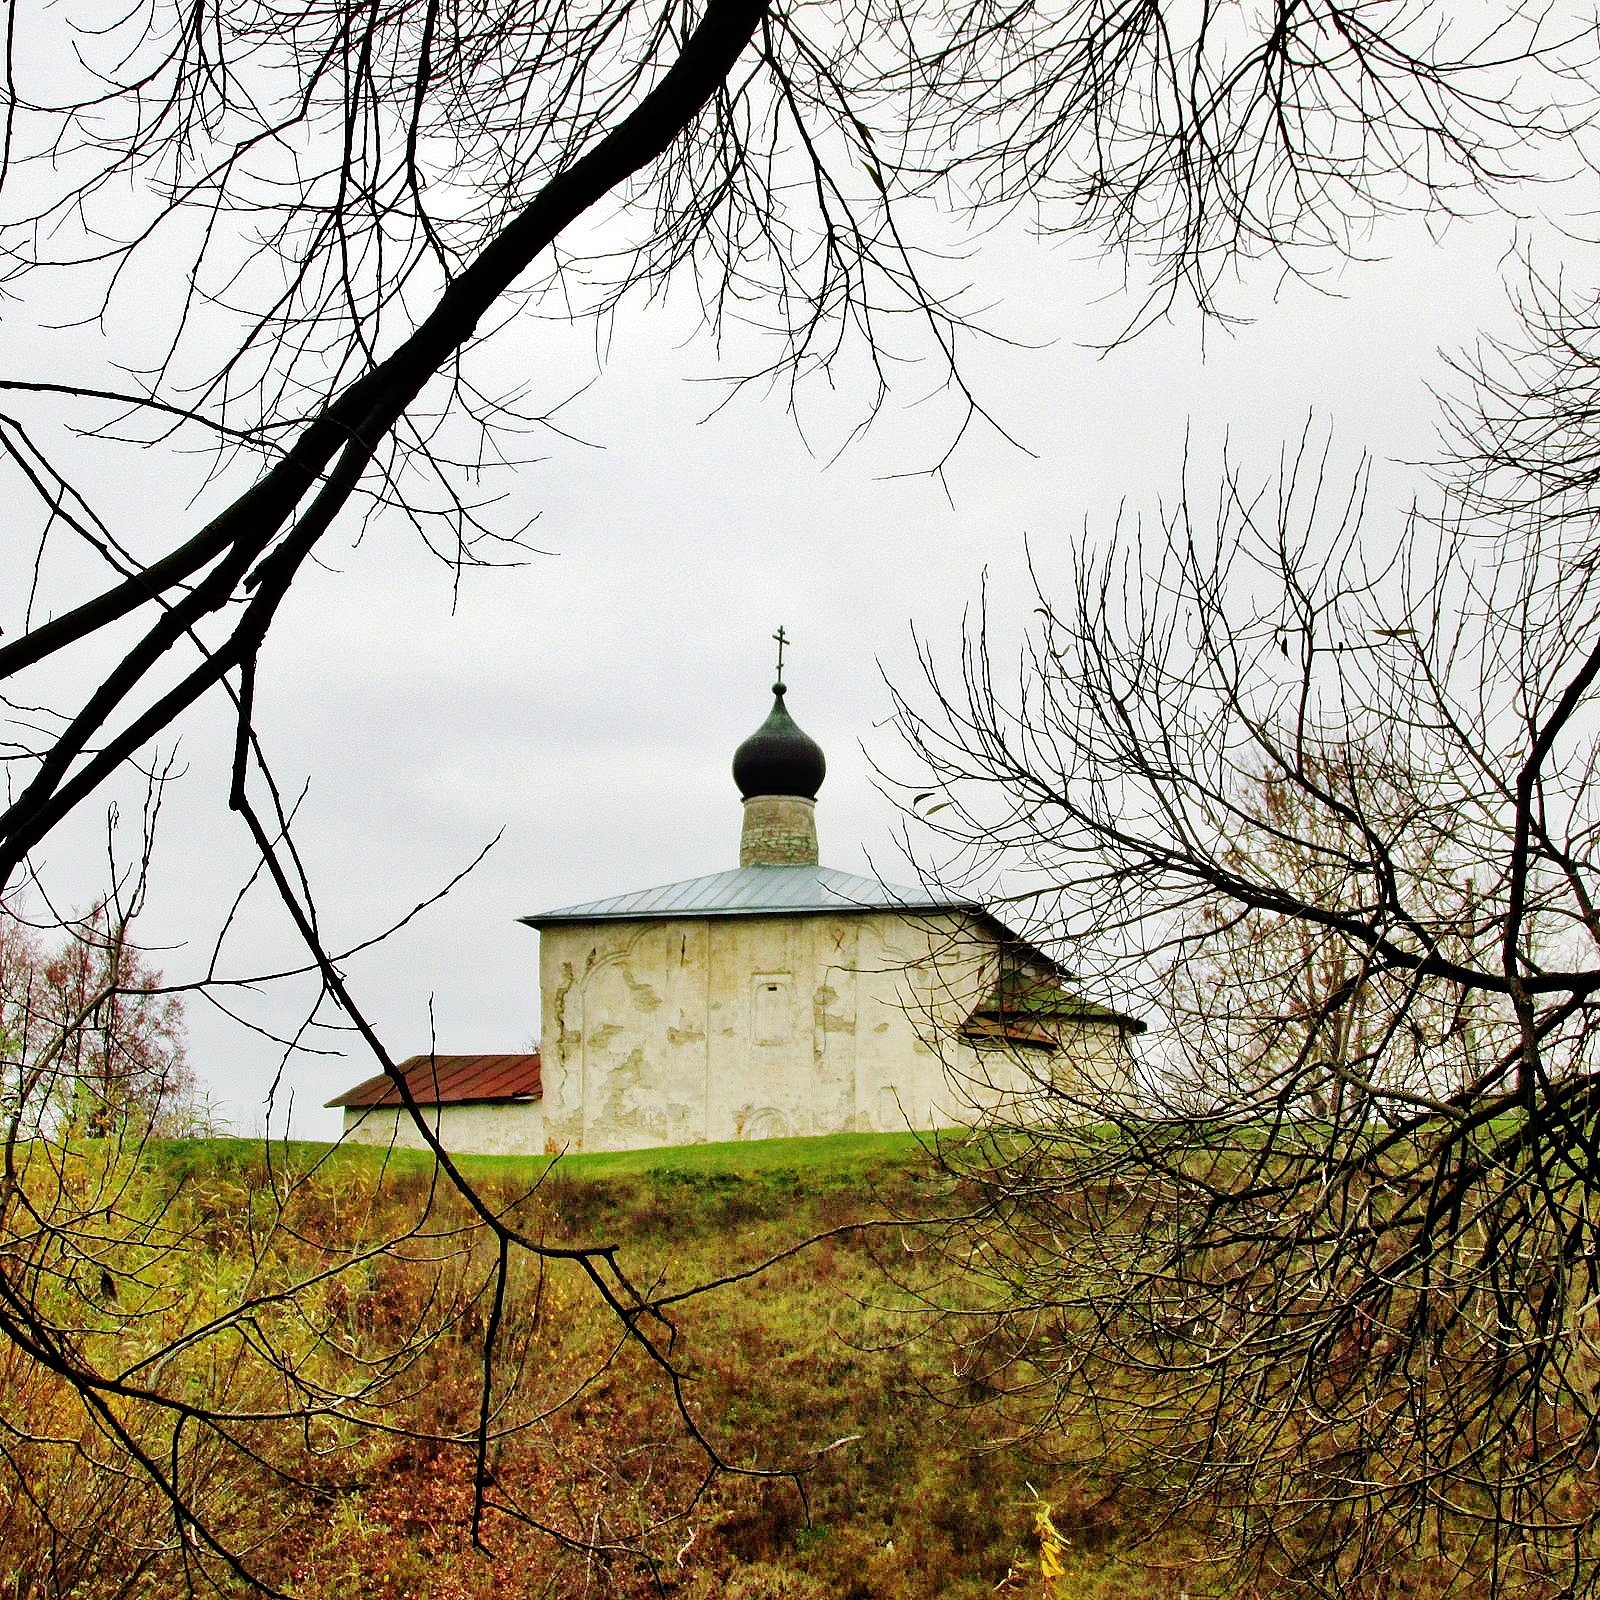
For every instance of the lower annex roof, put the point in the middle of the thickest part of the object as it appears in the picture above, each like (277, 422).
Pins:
(436, 1080)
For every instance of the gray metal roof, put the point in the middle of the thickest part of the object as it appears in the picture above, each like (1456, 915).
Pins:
(757, 892)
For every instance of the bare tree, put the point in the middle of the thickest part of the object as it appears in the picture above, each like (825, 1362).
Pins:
(361, 194)
(91, 1039)
(1331, 1261)
(1261, 1004)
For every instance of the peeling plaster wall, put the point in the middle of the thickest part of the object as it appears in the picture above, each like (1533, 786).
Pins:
(514, 1129)
(694, 1030)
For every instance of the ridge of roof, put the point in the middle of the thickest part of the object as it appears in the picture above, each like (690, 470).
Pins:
(757, 891)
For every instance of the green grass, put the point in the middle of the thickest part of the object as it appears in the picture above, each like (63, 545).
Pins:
(828, 1160)
(831, 1157)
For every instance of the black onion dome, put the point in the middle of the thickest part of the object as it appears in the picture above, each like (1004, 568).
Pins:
(778, 758)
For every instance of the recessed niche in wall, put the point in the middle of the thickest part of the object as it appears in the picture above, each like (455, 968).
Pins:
(771, 1014)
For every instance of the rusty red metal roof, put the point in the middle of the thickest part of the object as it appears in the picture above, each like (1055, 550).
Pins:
(437, 1080)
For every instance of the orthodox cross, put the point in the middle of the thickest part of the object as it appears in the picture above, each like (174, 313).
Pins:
(782, 639)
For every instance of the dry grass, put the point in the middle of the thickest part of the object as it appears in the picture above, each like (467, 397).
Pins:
(825, 1367)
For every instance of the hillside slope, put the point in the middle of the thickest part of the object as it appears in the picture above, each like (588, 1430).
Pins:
(879, 1474)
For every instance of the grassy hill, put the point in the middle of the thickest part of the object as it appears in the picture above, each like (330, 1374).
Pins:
(880, 1475)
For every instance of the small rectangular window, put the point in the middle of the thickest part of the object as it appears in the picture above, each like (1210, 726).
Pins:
(770, 1010)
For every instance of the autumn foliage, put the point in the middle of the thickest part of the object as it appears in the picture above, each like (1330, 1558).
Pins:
(91, 1042)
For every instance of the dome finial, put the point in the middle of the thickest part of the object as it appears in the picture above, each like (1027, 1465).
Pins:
(781, 638)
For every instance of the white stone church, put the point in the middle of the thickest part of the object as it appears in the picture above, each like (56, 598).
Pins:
(777, 998)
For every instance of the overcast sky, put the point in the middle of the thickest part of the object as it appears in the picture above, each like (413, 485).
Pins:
(583, 707)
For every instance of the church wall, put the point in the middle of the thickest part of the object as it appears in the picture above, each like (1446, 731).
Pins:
(922, 977)
(491, 1130)
(624, 1030)
(1096, 1064)
(783, 1026)
(1084, 1079)
(687, 1030)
